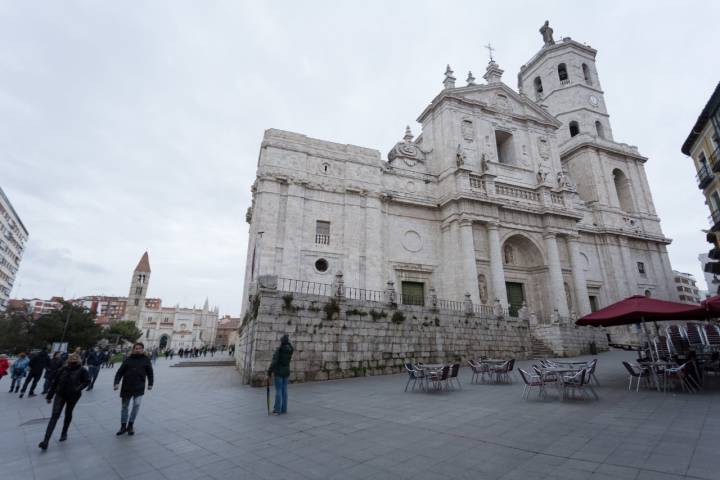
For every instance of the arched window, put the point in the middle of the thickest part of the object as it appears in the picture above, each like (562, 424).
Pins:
(562, 73)
(574, 128)
(538, 85)
(586, 74)
(599, 129)
(623, 190)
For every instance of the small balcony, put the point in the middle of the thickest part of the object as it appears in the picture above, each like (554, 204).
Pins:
(704, 177)
(322, 239)
(715, 160)
(714, 219)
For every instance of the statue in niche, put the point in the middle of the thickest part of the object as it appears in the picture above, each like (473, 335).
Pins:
(460, 156)
(542, 174)
(482, 287)
(547, 34)
(509, 254)
(564, 181)
(483, 163)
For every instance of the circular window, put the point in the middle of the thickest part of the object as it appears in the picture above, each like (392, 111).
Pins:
(321, 265)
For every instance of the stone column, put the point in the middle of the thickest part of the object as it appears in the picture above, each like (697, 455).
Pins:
(578, 274)
(557, 289)
(467, 254)
(374, 274)
(292, 243)
(497, 274)
(630, 267)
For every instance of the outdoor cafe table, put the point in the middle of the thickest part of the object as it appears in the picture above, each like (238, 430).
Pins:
(559, 371)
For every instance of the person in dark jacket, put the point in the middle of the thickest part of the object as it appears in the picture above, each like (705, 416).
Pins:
(67, 386)
(56, 363)
(280, 367)
(37, 365)
(133, 372)
(94, 360)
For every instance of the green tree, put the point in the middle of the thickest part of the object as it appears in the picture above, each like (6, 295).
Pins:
(81, 329)
(126, 330)
(14, 328)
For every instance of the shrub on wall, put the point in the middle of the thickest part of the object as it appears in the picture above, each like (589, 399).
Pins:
(377, 315)
(398, 317)
(332, 309)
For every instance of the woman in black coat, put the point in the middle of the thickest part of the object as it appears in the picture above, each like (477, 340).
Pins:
(66, 387)
(133, 372)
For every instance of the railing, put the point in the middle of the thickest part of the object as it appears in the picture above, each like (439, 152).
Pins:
(476, 183)
(714, 217)
(376, 296)
(715, 160)
(556, 198)
(362, 294)
(703, 177)
(516, 192)
(322, 239)
(565, 82)
(305, 287)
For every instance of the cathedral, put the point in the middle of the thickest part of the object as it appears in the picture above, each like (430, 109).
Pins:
(517, 199)
(167, 327)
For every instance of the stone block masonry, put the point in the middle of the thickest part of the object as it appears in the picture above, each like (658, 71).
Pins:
(337, 338)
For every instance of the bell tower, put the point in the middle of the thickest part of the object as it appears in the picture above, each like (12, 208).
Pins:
(563, 78)
(138, 290)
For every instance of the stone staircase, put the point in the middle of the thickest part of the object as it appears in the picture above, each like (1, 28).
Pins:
(539, 350)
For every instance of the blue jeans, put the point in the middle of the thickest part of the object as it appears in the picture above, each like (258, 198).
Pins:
(133, 413)
(281, 384)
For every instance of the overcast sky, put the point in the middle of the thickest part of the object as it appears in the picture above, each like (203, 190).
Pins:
(128, 126)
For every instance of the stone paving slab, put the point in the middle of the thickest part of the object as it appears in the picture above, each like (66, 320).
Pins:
(201, 423)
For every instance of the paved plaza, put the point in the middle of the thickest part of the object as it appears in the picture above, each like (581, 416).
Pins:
(201, 423)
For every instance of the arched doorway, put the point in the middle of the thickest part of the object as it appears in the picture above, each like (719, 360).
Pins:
(163, 342)
(525, 272)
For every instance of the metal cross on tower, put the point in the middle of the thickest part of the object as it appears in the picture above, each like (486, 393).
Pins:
(490, 50)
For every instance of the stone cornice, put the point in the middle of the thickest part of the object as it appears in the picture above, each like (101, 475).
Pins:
(585, 140)
(456, 95)
(565, 43)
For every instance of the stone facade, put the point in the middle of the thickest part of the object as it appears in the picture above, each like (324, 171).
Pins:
(336, 337)
(509, 199)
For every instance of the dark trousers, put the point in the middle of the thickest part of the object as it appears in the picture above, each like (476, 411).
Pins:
(35, 377)
(46, 385)
(58, 405)
(94, 371)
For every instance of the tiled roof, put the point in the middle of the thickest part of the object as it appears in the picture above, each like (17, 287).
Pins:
(144, 264)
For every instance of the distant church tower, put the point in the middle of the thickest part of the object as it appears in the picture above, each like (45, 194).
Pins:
(562, 78)
(138, 290)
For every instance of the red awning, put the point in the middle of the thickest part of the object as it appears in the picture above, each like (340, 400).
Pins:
(640, 308)
(712, 306)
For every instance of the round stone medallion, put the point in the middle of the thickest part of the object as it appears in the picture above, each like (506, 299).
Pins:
(411, 241)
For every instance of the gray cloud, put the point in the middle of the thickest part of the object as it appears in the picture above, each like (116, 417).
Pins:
(128, 127)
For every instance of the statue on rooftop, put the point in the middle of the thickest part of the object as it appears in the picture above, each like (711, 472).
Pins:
(547, 34)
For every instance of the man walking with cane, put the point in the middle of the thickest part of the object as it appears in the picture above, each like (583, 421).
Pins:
(133, 372)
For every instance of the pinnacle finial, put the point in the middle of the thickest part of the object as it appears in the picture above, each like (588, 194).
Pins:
(470, 80)
(408, 134)
(449, 81)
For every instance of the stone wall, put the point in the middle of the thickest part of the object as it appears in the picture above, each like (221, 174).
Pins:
(570, 340)
(339, 338)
